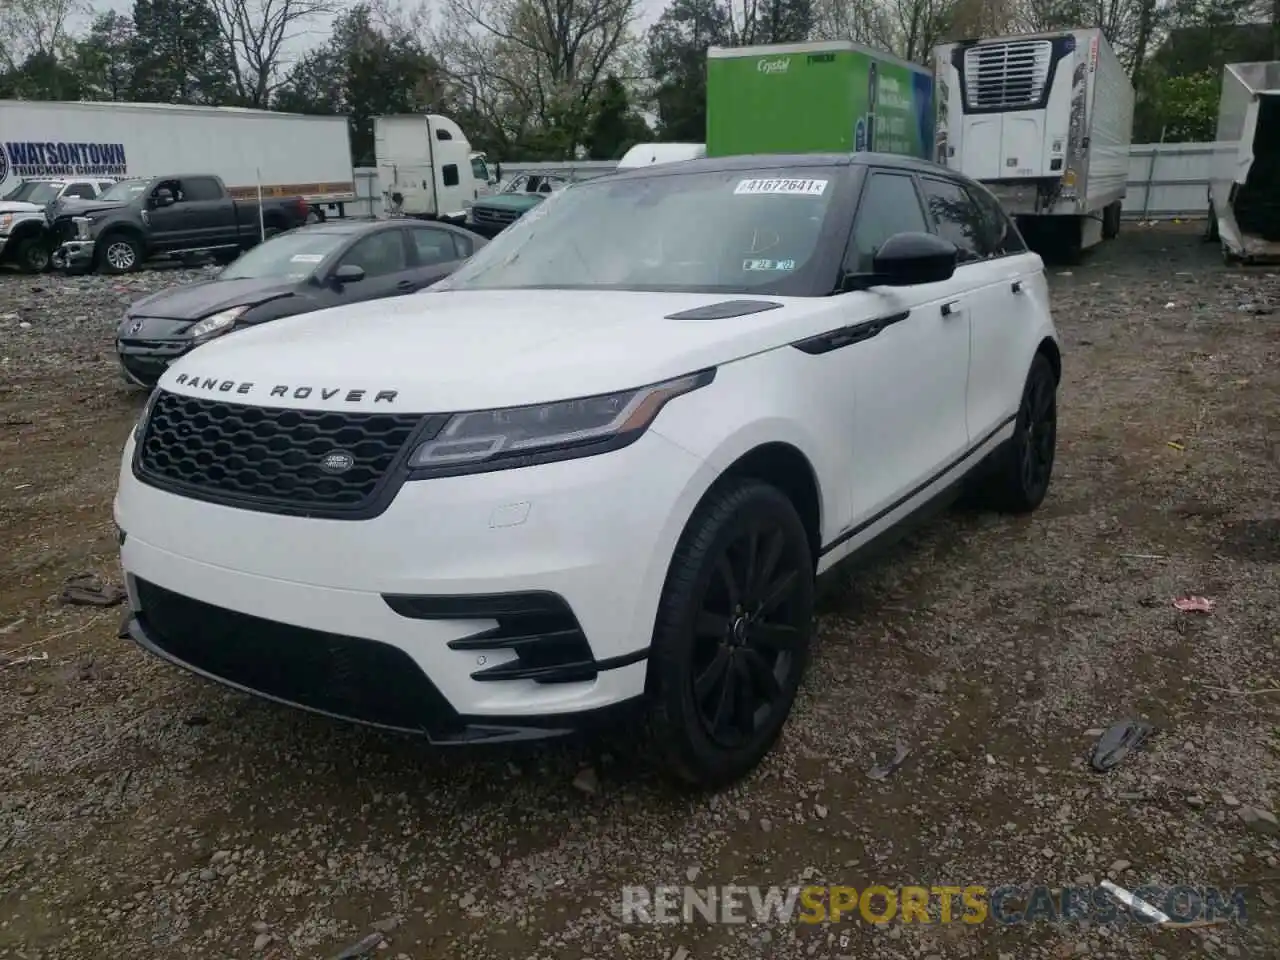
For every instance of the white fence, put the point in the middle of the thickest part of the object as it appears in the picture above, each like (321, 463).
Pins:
(1166, 180)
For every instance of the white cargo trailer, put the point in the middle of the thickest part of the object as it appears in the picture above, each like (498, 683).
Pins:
(425, 167)
(1045, 120)
(282, 154)
(1244, 182)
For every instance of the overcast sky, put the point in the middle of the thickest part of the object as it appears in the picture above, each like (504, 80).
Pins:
(316, 33)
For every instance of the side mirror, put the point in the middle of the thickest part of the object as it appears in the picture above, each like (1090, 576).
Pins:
(348, 273)
(162, 199)
(907, 259)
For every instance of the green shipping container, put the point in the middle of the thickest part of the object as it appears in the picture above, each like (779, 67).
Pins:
(837, 97)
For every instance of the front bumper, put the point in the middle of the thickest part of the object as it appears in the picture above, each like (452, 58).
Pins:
(487, 607)
(74, 255)
(144, 361)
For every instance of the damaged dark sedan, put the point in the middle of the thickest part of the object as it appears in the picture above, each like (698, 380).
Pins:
(307, 269)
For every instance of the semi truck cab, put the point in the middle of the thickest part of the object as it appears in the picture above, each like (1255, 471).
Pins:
(425, 167)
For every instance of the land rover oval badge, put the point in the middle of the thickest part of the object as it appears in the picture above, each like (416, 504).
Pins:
(338, 461)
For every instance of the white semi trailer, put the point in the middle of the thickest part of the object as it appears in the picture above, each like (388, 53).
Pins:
(281, 154)
(1244, 182)
(1045, 120)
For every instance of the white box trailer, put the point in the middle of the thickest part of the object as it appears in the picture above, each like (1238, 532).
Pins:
(1244, 181)
(1045, 120)
(426, 167)
(284, 154)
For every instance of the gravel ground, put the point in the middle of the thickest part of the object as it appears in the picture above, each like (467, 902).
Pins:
(145, 813)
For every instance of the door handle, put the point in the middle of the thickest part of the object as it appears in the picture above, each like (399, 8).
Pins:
(405, 285)
(950, 308)
(1016, 286)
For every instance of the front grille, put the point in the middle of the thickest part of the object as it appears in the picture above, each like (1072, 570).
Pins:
(1005, 76)
(347, 677)
(271, 459)
(495, 215)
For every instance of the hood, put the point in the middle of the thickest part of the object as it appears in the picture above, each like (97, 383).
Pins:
(88, 207)
(511, 201)
(467, 350)
(17, 206)
(194, 301)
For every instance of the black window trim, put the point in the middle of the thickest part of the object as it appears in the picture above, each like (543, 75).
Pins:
(975, 191)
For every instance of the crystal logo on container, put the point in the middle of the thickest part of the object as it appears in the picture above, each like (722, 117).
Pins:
(775, 65)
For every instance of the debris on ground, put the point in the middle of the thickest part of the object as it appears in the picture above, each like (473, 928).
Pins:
(885, 767)
(1117, 742)
(89, 590)
(1190, 604)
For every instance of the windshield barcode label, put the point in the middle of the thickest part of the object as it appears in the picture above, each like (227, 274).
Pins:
(795, 188)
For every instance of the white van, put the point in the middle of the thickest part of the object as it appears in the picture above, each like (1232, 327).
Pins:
(643, 154)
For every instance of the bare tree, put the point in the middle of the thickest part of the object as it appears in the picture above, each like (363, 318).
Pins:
(255, 33)
(35, 28)
(525, 64)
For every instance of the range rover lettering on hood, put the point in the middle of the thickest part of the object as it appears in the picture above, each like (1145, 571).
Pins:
(286, 390)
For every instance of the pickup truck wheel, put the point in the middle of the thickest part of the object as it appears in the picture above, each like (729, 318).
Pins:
(32, 256)
(120, 253)
(731, 640)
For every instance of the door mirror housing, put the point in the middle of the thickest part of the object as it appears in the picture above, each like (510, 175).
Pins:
(908, 259)
(162, 198)
(348, 273)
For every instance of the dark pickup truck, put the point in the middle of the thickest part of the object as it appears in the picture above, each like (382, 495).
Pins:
(163, 217)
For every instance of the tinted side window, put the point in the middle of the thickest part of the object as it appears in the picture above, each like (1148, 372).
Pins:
(378, 254)
(201, 188)
(479, 170)
(1002, 236)
(957, 218)
(433, 246)
(889, 205)
(462, 246)
(449, 173)
(83, 190)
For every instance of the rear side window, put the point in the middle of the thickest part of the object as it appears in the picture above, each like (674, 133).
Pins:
(1003, 238)
(957, 218)
(449, 174)
(890, 205)
(82, 190)
(201, 188)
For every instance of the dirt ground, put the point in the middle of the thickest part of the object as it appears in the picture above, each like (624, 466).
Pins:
(146, 813)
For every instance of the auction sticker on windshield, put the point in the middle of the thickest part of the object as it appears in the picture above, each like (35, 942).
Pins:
(306, 258)
(768, 264)
(792, 188)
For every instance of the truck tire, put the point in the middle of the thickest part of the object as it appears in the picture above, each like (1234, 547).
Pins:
(1211, 230)
(32, 255)
(1111, 220)
(119, 253)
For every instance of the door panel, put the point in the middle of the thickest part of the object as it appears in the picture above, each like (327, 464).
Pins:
(980, 143)
(908, 379)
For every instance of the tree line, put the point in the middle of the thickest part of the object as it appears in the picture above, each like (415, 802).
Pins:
(555, 79)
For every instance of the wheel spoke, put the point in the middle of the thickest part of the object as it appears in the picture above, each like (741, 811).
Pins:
(766, 680)
(777, 592)
(750, 571)
(775, 637)
(772, 554)
(707, 680)
(744, 703)
(726, 703)
(725, 571)
(710, 624)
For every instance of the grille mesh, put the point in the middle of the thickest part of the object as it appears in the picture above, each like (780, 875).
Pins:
(1003, 76)
(270, 457)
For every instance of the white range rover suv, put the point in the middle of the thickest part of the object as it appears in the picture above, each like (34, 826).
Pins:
(600, 466)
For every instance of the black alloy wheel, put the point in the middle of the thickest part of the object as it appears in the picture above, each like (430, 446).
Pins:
(733, 633)
(1024, 469)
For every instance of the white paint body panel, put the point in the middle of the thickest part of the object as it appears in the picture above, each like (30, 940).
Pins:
(426, 161)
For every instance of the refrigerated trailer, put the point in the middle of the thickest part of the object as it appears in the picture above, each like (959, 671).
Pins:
(1244, 182)
(1045, 120)
(279, 154)
(816, 97)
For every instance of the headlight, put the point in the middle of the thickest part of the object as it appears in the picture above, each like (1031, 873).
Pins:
(218, 323)
(140, 427)
(522, 436)
(6, 221)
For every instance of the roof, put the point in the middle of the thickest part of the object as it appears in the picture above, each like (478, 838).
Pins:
(774, 161)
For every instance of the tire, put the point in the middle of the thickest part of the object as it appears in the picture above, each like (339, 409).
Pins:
(32, 256)
(698, 638)
(1111, 221)
(1024, 467)
(119, 253)
(1211, 229)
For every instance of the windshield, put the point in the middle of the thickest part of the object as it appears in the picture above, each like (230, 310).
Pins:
(724, 231)
(34, 191)
(124, 191)
(289, 256)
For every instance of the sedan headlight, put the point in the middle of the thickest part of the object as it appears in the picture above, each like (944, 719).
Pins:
(522, 436)
(218, 323)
